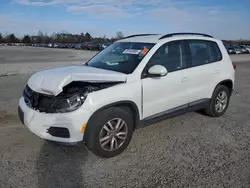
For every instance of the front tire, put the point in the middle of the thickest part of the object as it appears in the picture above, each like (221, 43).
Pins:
(109, 132)
(219, 102)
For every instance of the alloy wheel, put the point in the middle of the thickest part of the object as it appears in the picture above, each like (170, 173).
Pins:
(221, 102)
(113, 134)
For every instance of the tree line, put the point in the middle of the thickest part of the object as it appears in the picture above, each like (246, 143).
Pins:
(65, 37)
(61, 37)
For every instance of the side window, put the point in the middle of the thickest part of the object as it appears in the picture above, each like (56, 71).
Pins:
(170, 55)
(216, 53)
(204, 52)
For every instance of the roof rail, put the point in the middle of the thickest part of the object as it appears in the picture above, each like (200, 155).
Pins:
(138, 35)
(174, 34)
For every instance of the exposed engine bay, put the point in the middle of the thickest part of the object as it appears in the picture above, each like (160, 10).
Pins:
(84, 87)
(70, 99)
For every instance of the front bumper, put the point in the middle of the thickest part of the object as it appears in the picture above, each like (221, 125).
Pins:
(41, 124)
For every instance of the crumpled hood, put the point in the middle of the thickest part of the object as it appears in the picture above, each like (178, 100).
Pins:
(52, 81)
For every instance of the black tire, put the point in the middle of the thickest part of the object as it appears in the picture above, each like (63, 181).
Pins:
(211, 109)
(97, 122)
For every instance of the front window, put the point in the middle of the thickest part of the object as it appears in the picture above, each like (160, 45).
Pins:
(170, 55)
(121, 56)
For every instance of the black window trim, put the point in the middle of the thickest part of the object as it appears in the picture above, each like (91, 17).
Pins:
(187, 57)
(190, 56)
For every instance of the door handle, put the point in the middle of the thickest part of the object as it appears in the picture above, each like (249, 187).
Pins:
(184, 79)
(216, 71)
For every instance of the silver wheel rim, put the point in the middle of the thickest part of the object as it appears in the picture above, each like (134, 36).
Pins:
(113, 134)
(221, 102)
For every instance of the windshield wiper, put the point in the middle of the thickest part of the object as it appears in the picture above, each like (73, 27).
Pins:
(86, 64)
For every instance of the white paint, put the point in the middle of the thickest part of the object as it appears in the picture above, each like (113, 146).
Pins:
(158, 70)
(150, 95)
(38, 123)
(164, 93)
(52, 81)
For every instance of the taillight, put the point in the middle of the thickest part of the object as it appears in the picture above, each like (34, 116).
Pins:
(234, 66)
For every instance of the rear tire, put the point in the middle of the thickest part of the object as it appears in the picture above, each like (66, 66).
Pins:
(219, 102)
(109, 132)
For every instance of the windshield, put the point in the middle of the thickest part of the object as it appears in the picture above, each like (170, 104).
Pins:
(121, 56)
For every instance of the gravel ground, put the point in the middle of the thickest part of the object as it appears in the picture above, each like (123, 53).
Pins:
(14, 54)
(23, 60)
(190, 150)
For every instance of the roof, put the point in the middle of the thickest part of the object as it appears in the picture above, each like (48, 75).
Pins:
(155, 38)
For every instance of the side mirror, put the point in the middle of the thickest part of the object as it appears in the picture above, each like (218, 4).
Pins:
(157, 71)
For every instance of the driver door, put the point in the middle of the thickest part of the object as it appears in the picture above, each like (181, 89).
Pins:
(167, 94)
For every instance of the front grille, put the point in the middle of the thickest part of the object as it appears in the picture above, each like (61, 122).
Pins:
(30, 97)
(59, 132)
(37, 101)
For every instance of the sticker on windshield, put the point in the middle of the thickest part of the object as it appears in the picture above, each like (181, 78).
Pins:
(145, 51)
(132, 51)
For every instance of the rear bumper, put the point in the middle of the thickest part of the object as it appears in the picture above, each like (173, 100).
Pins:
(64, 128)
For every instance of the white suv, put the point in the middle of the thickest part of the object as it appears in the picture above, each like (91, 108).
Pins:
(134, 82)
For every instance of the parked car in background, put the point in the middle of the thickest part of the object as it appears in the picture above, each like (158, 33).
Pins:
(244, 49)
(62, 45)
(93, 46)
(50, 45)
(72, 46)
(231, 50)
(248, 48)
(84, 45)
(88, 46)
(105, 45)
(68, 45)
(56, 45)
(79, 46)
(238, 50)
(97, 46)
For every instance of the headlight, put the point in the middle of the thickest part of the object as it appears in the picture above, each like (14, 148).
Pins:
(68, 104)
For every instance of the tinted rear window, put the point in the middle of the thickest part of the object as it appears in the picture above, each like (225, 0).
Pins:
(204, 52)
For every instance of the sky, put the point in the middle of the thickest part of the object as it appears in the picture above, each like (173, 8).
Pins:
(224, 19)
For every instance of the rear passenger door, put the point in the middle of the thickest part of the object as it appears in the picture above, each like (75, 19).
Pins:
(206, 65)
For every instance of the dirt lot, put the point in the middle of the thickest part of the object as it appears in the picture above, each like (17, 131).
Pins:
(191, 150)
(13, 54)
(22, 60)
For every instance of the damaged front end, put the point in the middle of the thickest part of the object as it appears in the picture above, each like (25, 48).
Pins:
(71, 98)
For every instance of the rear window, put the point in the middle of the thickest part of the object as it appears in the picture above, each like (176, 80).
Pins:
(204, 52)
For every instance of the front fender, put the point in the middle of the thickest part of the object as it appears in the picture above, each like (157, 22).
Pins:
(125, 92)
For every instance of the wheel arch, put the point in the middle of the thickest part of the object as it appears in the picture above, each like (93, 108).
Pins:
(228, 83)
(129, 106)
(210, 110)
